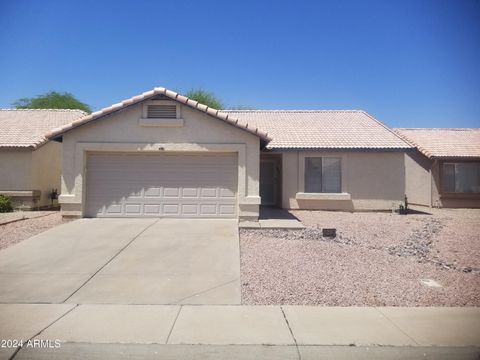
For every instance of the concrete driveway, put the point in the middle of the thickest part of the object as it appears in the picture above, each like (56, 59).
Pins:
(125, 261)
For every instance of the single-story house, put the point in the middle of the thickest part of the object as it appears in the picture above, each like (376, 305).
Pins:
(444, 170)
(162, 154)
(30, 164)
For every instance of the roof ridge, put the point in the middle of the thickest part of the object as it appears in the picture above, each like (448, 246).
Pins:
(63, 110)
(290, 110)
(412, 143)
(387, 128)
(451, 129)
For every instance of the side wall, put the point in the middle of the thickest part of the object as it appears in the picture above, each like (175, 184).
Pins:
(123, 132)
(370, 181)
(15, 170)
(46, 170)
(418, 178)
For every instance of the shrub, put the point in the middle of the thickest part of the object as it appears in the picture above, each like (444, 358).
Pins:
(5, 204)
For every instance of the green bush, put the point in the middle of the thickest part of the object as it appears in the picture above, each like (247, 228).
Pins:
(5, 204)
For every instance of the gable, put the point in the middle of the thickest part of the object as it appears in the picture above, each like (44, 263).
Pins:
(130, 125)
(158, 94)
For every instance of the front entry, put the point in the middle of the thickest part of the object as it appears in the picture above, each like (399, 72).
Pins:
(269, 180)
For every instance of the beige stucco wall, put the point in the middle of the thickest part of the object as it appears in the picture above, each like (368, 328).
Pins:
(27, 170)
(370, 181)
(15, 170)
(46, 170)
(418, 178)
(121, 132)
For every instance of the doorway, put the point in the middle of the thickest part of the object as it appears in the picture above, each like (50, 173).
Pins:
(270, 180)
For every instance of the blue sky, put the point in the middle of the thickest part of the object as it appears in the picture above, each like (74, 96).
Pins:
(410, 63)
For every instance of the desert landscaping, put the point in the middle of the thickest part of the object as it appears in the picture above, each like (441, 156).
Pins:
(376, 259)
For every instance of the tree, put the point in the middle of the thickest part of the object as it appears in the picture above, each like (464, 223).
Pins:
(206, 98)
(52, 100)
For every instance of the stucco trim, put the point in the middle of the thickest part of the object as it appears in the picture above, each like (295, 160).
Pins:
(322, 196)
(149, 122)
(82, 148)
(19, 193)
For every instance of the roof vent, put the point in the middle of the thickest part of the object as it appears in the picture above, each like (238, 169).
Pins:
(162, 111)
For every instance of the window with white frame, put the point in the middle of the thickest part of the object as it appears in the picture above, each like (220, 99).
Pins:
(461, 177)
(323, 175)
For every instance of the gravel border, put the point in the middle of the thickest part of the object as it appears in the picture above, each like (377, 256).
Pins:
(17, 231)
(7, 218)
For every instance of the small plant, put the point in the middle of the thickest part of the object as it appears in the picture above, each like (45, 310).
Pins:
(403, 208)
(5, 204)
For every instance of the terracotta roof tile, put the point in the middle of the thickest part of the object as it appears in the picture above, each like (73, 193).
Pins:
(444, 142)
(22, 128)
(145, 96)
(321, 129)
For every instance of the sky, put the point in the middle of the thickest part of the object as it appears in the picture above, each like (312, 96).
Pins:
(409, 63)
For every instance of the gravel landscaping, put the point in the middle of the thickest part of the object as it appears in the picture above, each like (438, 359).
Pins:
(8, 217)
(377, 259)
(33, 224)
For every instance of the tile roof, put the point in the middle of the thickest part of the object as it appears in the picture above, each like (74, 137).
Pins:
(444, 142)
(22, 128)
(169, 94)
(321, 129)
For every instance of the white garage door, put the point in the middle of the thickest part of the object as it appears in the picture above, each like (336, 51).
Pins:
(172, 185)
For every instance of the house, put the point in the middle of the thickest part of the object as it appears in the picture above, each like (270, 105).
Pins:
(30, 165)
(162, 154)
(444, 171)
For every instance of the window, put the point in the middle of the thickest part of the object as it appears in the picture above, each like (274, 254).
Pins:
(162, 111)
(461, 177)
(323, 175)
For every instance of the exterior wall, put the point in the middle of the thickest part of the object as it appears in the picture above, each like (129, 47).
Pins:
(16, 169)
(46, 170)
(370, 181)
(16, 178)
(440, 199)
(121, 132)
(418, 178)
(28, 176)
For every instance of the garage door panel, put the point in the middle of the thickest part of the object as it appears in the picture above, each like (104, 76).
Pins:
(171, 192)
(227, 209)
(171, 209)
(152, 209)
(161, 185)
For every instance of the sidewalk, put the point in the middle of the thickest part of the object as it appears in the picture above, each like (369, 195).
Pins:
(241, 332)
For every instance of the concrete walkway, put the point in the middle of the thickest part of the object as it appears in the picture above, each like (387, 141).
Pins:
(241, 332)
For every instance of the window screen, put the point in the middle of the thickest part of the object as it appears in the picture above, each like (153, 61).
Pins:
(461, 177)
(323, 175)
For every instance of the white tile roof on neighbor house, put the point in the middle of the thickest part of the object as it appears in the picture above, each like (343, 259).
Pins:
(169, 94)
(321, 129)
(23, 128)
(444, 142)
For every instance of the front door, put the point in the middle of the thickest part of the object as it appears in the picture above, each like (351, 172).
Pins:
(268, 181)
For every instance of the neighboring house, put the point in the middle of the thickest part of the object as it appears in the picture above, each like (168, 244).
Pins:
(162, 154)
(30, 165)
(445, 170)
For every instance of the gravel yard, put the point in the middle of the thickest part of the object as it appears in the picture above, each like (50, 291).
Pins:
(377, 259)
(17, 231)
